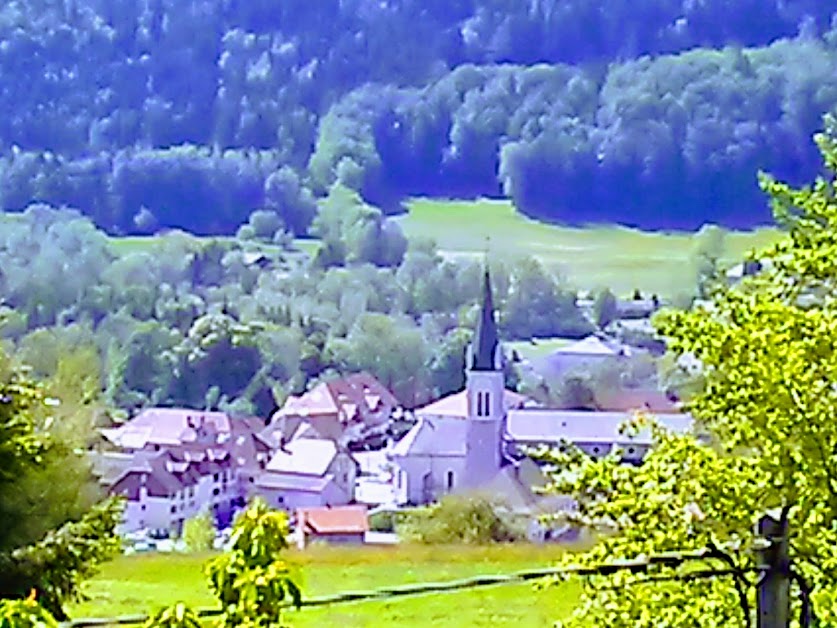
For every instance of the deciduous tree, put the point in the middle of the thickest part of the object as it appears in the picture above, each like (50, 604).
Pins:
(767, 410)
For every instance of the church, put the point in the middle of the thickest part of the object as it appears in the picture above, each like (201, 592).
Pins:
(476, 439)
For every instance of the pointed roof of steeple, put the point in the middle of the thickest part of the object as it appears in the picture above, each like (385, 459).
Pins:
(485, 339)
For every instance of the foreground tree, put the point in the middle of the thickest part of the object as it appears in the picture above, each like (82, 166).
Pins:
(252, 581)
(53, 565)
(767, 414)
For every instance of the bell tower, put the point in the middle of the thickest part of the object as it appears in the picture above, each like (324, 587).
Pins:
(485, 386)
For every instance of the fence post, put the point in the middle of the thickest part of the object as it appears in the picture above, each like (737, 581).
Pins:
(774, 587)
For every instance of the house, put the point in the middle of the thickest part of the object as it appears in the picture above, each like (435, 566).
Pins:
(308, 472)
(591, 353)
(338, 524)
(172, 464)
(345, 410)
(164, 489)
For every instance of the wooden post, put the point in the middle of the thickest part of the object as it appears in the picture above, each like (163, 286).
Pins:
(774, 587)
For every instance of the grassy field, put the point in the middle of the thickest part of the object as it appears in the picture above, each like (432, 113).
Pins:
(590, 257)
(540, 348)
(133, 584)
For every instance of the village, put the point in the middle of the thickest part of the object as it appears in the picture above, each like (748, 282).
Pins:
(347, 448)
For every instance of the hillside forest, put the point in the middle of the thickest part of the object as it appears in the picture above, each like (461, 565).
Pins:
(239, 324)
(151, 114)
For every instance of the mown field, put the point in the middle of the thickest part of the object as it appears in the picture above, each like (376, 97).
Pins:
(590, 257)
(142, 583)
(618, 258)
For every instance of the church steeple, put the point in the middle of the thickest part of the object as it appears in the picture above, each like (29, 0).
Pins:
(486, 344)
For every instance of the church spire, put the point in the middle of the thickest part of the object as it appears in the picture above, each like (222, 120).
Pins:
(485, 343)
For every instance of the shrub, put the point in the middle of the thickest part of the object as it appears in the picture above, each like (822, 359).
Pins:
(474, 520)
(25, 614)
(176, 616)
(251, 581)
(384, 521)
(199, 533)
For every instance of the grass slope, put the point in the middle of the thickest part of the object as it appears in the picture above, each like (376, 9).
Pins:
(133, 584)
(590, 257)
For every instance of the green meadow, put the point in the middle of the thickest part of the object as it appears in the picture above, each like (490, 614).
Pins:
(143, 583)
(591, 257)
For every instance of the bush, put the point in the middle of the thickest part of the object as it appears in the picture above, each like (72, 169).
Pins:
(472, 520)
(384, 521)
(199, 533)
(177, 616)
(25, 614)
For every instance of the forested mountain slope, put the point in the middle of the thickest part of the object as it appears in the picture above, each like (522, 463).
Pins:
(147, 113)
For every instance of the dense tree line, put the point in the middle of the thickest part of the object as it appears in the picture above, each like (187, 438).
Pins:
(237, 324)
(156, 113)
(668, 142)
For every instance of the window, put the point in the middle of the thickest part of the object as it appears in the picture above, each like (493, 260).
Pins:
(449, 480)
(215, 491)
(142, 507)
(216, 477)
(173, 509)
(481, 404)
(487, 402)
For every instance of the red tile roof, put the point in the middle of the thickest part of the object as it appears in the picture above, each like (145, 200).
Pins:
(334, 520)
(349, 398)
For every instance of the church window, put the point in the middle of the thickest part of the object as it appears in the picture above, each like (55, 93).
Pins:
(449, 480)
(487, 405)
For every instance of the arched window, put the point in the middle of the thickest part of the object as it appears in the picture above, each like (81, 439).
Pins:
(487, 404)
(449, 480)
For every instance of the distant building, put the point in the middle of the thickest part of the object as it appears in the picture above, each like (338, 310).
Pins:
(344, 410)
(336, 525)
(308, 472)
(595, 433)
(477, 438)
(591, 353)
(174, 464)
(441, 454)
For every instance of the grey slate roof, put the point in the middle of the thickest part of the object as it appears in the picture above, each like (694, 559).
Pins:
(485, 338)
(292, 482)
(553, 426)
(307, 456)
(438, 436)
